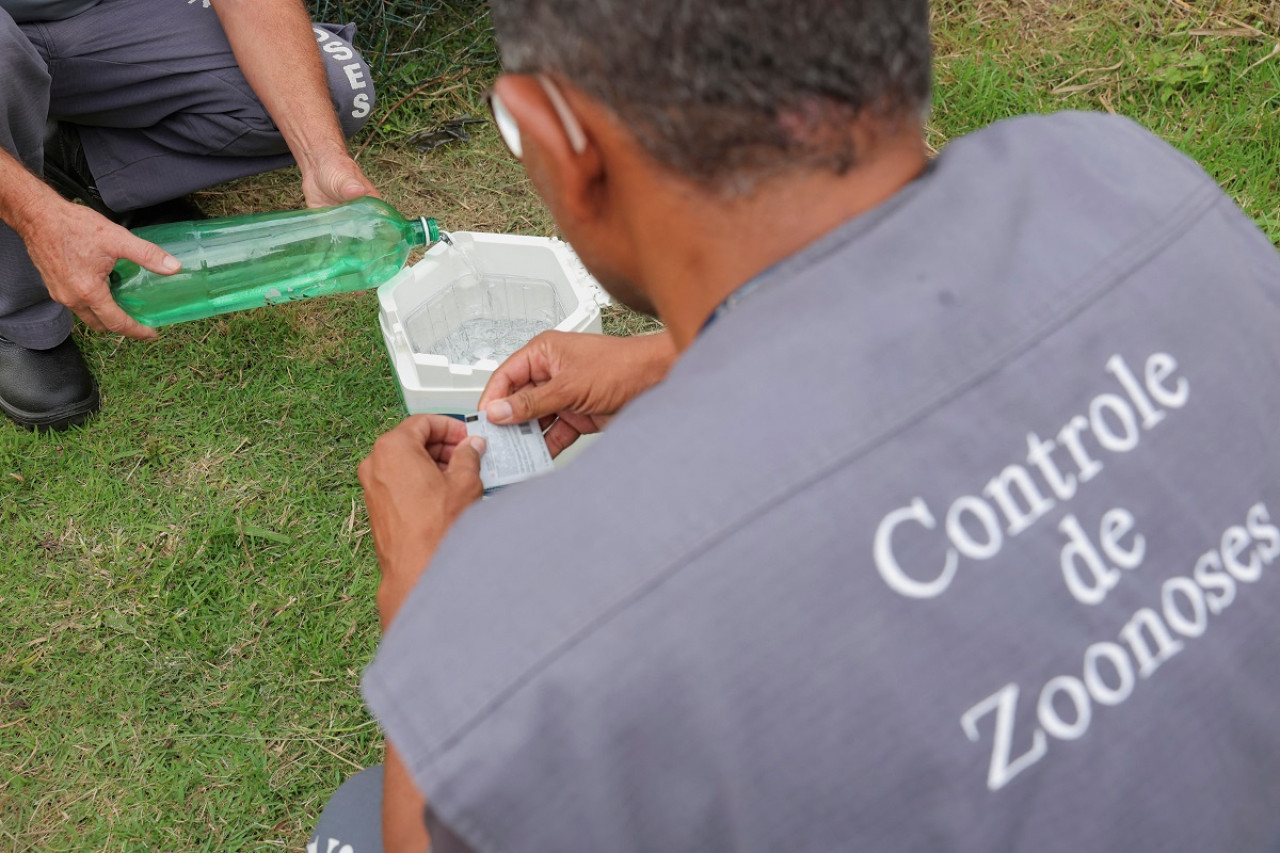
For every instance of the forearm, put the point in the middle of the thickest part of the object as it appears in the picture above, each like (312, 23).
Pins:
(404, 826)
(24, 199)
(654, 355)
(275, 46)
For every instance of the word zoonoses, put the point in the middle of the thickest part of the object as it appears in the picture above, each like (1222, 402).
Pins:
(1110, 671)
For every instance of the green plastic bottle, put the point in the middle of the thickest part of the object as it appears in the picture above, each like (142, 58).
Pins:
(241, 262)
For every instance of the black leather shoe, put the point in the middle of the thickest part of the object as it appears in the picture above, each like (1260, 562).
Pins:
(46, 389)
(67, 170)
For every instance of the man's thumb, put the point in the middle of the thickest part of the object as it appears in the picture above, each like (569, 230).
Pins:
(527, 404)
(465, 460)
(352, 190)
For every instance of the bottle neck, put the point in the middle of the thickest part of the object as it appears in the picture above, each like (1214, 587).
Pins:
(423, 231)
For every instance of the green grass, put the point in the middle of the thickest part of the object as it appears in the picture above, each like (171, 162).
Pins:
(1204, 76)
(412, 43)
(186, 600)
(189, 589)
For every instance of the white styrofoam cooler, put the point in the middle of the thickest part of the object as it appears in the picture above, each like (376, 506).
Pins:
(507, 277)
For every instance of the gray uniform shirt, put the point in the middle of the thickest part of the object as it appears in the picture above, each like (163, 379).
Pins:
(45, 10)
(958, 533)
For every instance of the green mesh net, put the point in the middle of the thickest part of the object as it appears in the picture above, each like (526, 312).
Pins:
(409, 43)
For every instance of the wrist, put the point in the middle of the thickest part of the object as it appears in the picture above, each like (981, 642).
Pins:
(31, 205)
(334, 179)
(389, 599)
(400, 574)
(659, 354)
(317, 156)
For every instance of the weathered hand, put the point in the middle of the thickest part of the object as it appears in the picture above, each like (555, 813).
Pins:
(572, 383)
(418, 479)
(333, 180)
(75, 249)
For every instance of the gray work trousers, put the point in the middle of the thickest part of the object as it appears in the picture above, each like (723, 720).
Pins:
(162, 110)
(352, 820)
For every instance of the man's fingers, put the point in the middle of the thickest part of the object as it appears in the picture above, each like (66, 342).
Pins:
(529, 403)
(100, 313)
(500, 411)
(94, 304)
(427, 430)
(532, 364)
(464, 464)
(336, 181)
(349, 182)
(415, 440)
(560, 436)
(354, 188)
(114, 319)
(513, 373)
(500, 384)
(150, 256)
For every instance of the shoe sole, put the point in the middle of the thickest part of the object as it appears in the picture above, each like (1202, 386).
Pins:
(55, 421)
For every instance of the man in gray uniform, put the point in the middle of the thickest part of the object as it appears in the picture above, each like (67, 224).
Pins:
(955, 524)
(128, 105)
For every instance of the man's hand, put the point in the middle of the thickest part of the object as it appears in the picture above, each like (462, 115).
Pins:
(275, 47)
(572, 383)
(417, 481)
(75, 249)
(334, 179)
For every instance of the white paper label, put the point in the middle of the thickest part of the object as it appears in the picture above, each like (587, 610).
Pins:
(515, 452)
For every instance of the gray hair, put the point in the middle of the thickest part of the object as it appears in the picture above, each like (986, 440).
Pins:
(729, 91)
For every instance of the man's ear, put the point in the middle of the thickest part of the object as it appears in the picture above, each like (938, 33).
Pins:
(571, 181)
